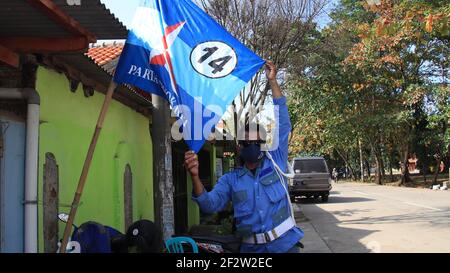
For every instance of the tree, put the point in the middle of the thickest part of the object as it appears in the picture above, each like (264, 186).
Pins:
(322, 102)
(402, 53)
(437, 134)
(369, 80)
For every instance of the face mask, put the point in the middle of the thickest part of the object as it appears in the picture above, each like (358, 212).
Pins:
(251, 153)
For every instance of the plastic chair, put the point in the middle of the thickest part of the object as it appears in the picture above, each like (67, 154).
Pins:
(175, 244)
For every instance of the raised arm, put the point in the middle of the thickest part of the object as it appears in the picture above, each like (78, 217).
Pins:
(271, 73)
(283, 122)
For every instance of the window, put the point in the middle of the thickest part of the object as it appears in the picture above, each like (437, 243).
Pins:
(310, 166)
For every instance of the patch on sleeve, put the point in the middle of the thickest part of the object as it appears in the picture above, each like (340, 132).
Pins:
(265, 171)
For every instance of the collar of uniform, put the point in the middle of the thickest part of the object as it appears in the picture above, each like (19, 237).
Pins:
(244, 169)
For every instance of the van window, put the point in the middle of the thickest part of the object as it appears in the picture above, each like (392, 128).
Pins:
(310, 166)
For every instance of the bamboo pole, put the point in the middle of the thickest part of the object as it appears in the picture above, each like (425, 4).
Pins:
(87, 165)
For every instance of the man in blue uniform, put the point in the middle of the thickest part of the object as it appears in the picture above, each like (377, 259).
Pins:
(261, 205)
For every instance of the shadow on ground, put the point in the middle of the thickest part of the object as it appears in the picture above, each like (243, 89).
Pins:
(435, 218)
(322, 228)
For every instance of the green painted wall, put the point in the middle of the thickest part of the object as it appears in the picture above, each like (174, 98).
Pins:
(67, 124)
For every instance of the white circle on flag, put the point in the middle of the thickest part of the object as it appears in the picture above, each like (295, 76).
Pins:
(213, 59)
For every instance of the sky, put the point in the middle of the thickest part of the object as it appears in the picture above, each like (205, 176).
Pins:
(124, 10)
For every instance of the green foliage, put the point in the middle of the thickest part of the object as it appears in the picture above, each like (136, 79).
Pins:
(378, 75)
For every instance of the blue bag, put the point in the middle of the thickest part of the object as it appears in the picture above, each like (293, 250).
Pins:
(94, 237)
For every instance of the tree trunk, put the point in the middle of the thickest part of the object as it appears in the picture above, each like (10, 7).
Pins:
(424, 172)
(391, 175)
(391, 165)
(381, 158)
(405, 170)
(352, 173)
(379, 165)
(436, 171)
(367, 166)
(378, 174)
(347, 165)
(361, 160)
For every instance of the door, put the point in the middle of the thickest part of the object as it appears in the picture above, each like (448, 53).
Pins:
(12, 182)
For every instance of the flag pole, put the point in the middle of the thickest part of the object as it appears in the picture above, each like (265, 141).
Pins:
(86, 166)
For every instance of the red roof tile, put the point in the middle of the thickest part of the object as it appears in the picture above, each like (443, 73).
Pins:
(102, 55)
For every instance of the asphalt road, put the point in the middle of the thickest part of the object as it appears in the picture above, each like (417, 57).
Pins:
(370, 218)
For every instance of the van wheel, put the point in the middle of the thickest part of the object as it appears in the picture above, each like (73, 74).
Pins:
(324, 198)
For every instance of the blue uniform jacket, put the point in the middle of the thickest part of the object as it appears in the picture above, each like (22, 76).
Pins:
(260, 202)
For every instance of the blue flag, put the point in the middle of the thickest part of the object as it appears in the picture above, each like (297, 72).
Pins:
(175, 50)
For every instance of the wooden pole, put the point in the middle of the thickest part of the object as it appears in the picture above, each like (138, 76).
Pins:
(87, 165)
